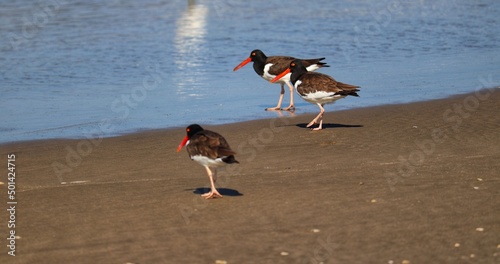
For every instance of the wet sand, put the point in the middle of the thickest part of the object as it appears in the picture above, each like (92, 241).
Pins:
(411, 183)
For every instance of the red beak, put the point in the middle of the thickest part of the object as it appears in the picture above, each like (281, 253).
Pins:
(183, 143)
(243, 63)
(287, 71)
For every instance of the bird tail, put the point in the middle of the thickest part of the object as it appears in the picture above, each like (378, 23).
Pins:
(230, 159)
(348, 89)
(317, 62)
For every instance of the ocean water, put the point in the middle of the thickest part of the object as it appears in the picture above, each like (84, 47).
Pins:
(72, 69)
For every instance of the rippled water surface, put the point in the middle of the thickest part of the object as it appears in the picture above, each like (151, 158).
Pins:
(77, 68)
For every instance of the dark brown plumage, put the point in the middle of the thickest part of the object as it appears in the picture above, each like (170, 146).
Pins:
(210, 150)
(269, 67)
(280, 63)
(311, 82)
(211, 145)
(316, 88)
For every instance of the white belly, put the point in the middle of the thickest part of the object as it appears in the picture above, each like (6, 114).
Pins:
(320, 97)
(205, 161)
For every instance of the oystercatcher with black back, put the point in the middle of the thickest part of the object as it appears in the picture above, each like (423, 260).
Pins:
(269, 67)
(316, 88)
(210, 150)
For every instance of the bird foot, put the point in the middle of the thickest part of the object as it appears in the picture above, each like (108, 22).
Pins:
(312, 123)
(315, 121)
(211, 194)
(273, 109)
(289, 108)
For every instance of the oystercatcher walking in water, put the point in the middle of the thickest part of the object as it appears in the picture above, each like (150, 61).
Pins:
(316, 88)
(210, 150)
(269, 67)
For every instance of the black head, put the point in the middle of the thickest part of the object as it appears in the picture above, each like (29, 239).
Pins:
(257, 55)
(297, 69)
(193, 129)
(297, 65)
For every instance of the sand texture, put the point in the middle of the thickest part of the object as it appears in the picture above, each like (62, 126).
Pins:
(411, 183)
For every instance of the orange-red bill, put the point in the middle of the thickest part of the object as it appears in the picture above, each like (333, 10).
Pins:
(183, 143)
(287, 71)
(243, 63)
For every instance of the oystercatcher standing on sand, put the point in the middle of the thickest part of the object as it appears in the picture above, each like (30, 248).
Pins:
(316, 88)
(210, 150)
(269, 67)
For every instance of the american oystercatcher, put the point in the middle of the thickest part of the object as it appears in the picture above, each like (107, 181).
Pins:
(316, 88)
(269, 67)
(210, 150)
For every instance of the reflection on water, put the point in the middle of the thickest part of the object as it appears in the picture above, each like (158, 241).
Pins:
(189, 42)
(88, 54)
(190, 36)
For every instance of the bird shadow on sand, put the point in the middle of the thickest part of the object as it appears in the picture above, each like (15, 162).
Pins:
(222, 191)
(328, 125)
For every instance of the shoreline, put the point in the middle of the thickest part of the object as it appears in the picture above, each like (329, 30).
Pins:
(284, 113)
(413, 182)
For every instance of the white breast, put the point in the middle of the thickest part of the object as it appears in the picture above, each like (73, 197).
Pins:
(297, 83)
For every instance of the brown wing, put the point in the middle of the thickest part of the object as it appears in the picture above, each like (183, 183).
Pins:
(209, 144)
(280, 64)
(314, 81)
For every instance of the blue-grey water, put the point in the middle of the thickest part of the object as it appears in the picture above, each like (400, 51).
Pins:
(71, 69)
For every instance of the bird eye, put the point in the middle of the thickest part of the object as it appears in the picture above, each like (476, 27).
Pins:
(253, 53)
(293, 64)
(187, 129)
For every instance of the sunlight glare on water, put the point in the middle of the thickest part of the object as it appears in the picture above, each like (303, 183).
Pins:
(77, 69)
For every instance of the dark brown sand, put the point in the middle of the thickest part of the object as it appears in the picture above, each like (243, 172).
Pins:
(412, 183)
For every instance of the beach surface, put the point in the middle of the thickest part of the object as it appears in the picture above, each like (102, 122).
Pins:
(410, 183)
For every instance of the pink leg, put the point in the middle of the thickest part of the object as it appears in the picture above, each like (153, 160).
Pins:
(318, 117)
(278, 107)
(292, 105)
(213, 191)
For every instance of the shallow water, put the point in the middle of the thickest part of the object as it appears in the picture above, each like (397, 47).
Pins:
(71, 69)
